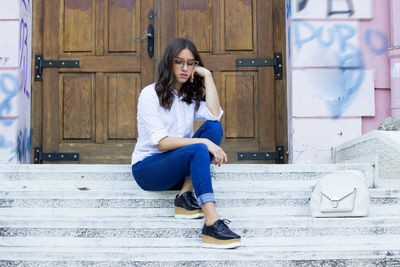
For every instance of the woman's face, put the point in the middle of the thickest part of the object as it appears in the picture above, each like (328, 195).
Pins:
(183, 65)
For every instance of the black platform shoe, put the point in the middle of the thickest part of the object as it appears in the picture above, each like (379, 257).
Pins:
(187, 207)
(219, 235)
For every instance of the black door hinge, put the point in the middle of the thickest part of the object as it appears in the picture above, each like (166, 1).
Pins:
(275, 62)
(278, 155)
(40, 63)
(39, 156)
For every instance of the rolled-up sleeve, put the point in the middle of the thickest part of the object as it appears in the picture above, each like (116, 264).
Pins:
(204, 114)
(149, 115)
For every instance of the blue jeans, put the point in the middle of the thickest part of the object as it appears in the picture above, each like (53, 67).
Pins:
(168, 170)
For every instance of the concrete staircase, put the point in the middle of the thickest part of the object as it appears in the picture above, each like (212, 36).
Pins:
(96, 215)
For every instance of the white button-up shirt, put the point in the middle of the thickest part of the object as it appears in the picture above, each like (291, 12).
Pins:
(154, 122)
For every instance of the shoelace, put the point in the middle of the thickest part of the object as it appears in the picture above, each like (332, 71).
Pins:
(224, 224)
(226, 221)
(193, 197)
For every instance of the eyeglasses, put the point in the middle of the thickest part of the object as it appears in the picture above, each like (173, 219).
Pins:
(181, 62)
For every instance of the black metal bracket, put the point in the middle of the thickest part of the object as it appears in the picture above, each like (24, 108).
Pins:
(278, 155)
(39, 156)
(40, 63)
(275, 62)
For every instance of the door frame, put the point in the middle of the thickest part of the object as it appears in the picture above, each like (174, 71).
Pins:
(279, 45)
(37, 87)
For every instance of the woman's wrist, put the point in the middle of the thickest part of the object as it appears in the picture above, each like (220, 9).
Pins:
(204, 141)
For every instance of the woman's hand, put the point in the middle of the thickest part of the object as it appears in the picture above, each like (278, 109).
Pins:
(201, 71)
(218, 153)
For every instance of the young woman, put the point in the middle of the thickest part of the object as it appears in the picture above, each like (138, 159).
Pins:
(167, 153)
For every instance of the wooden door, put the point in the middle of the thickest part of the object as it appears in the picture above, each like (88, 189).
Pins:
(92, 109)
(224, 31)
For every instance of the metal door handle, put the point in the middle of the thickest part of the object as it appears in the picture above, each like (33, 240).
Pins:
(149, 35)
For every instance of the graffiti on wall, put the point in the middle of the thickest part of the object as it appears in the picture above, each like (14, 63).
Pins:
(336, 44)
(23, 146)
(4, 60)
(332, 9)
(8, 90)
(23, 137)
(23, 58)
(15, 89)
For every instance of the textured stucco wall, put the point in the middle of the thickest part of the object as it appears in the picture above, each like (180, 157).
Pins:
(338, 61)
(15, 80)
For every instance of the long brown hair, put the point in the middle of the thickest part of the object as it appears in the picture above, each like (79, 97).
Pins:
(164, 86)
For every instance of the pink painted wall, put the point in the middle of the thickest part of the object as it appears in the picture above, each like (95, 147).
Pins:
(374, 41)
(382, 109)
(372, 45)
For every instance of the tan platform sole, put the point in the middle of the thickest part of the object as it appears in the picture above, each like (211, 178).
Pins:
(211, 242)
(181, 213)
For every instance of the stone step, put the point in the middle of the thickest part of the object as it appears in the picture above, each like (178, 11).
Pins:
(111, 242)
(229, 172)
(144, 199)
(172, 228)
(336, 251)
(93, 185)
(225, 212)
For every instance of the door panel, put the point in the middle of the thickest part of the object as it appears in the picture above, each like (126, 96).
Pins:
(123, 25)
(76, 106)
(225, 30)
(93, 111)
(123, 91)
(78, 26)
(240, 104)
(239, 33)
(194, 20)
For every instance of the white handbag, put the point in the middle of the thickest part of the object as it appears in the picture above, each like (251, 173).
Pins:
(340, 194)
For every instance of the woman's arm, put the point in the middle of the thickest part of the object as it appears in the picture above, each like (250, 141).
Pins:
(170, 143)
(212, 98)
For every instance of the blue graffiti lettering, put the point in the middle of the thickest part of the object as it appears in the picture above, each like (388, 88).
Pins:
(345, 33)
(8, 85)
(288, 8)
(300, 40)
(351, 81)
(337, 38)
(305, 32)
(23, 146)
(27, 3)
(330, 37)
(23, 59)
(380, 37)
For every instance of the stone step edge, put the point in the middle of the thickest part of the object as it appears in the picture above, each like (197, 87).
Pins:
(102, 168)
(132, 213)
(256, 222)
(200, 255)
(392, 240)
(139, 194)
